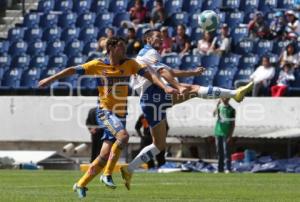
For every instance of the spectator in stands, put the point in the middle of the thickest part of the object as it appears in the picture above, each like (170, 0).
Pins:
(167, 41)
(225, 41)
(223, 133)
(258, 27)
(181, 42)
(289, 55)
(158, 15)
(100, 51)
(285, 76)
(277, 27)
(96, 133)
(293, 22)
(110, 32)
(138, 13)
(207, 44)
(133, 43)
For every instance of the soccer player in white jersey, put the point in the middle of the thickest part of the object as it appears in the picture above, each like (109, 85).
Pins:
(154, 101)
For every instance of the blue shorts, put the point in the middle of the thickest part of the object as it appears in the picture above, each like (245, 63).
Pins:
(111, 123)
(154, 103)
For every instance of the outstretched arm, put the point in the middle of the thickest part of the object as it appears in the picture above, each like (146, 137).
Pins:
(64, 73)
(186, 73)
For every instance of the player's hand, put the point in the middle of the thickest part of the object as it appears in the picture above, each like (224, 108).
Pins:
(199, 70)
(44, 82)
(170, 90)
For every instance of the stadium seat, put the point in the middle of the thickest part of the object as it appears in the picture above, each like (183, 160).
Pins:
(188, 80)
(286, 4)
(267, 6)
(18, 47)
(122, 31)
(36, 47)
(224, 77)
(87, 83)
(1, 74)
(90, 46)
(210, 61)
(67, 19)
(103, 32)
(230, 60)
(48, 20)
(150, 5)
(248, 61)
(11, 78)
(295, 85)
(196, 35)
(263, 47)
(30, 78)
(5, 60)
(100, 6)
(71, 82)
(75, 60)
(118, 6)
(233, 19)
(273, 58)
(33, 34)
(49, 72)
(69, 34)
(20, 61)
(172, 60)
(232, 4)
(222, 17)
(119, 17)
(39, 61)
(206, 78)
(212, 5)
(85, 19)
(190, 61)
(239, 33)
(243, 74)
(51, 34)
(55, 47)
(82, 6)
(279, 46)
(64, 5)
(104, 19)
(192, 6)
(59, 61)
(31, 20)
(249, 6)
(45, 6)
(15, 33)
(141, 30)
(172, 6)
(179, 18)
(245, 46)
(193, 21)
(4, 46)
(88, 33)
(73, 47)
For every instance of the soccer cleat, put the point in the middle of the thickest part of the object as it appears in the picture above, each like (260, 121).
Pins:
(81, 191)
(108, 181)
(242, 91)
(126, 175)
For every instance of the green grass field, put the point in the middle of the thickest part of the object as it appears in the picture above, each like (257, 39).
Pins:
(57, 186)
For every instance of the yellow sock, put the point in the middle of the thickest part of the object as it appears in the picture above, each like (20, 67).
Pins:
(113, 159)
(94, 169)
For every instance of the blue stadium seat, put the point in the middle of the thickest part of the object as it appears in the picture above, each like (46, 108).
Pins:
(5, 60)
(192, 6)
(18, 47)
(75, 60)
(45, 6)
(119, 17)
(1, 74)
(90, 46)
(11, 78)
(190, 61)
(103, 32)
(55, 47)
(48, 20)
(248, 61)
(30, 78)
(67, 19)
(49, 72)
(51, 34)
(263, 47)
(31, 20)
(212, 5)
(193, 21)
(88, 33)
(249, 6)
(150, 5)
(267, 6)
(173, 6)
(4, 46)
(239, 33)
(197, 34)
(71, 80)
(243, 74)
(69, 34)
(87, 83)
(85, 19)
(230, 60)
(233, 19)
(82, 6)
(224, 78)
(39, 61)
(172, 60)
(100, 6)
(279, 46)
(222, 17)
(206, 78)
(286, 4)
(141, 30)
(15, 33)
(210, 61)
(273, 58)
(232, 4)
(74, 47)
(36, 47)
(188, 80)
(118, 6)
(64, 5)
(20, 61)
(104, 19)
(33, 34)
(245, 46)
(122, 31)
(295, 85)
(59, 61)
(179, 18)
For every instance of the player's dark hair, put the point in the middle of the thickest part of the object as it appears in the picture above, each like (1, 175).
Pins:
(148, 34)
(113, 41)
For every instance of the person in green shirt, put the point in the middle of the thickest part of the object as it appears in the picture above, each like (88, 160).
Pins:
(223, 132)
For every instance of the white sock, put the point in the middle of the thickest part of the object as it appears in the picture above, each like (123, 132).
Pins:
(144, 156)
(215, 92)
